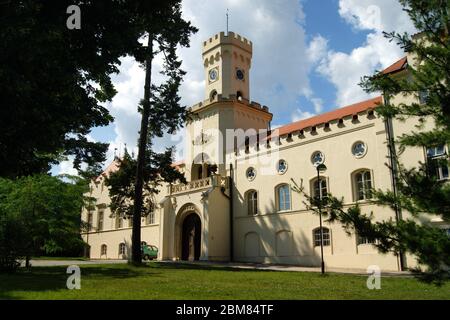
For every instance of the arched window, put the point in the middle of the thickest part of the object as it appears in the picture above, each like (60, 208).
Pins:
(247, 144)
(103, 250)
(283, 196)
(200, 172)
(213, 95)
(363, 185)
(320, 188)
(326, 236)
(252, 202)
(122, 248)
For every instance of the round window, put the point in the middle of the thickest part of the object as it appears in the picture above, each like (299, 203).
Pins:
(251, 173)
(359, 149)
(282, 166)
(317, 158)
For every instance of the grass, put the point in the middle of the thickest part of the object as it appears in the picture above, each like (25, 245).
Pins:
(177, 281)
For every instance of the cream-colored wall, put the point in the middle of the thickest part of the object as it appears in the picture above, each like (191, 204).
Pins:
(335, 143)
(110, 235)
(342, 253)
(218, 216)
(112, 238)
(214, 119)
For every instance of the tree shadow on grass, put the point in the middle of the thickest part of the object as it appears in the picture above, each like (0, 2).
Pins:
(205, 266)
(40, 279)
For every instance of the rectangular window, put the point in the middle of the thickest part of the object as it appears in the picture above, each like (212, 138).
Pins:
(151, 218)
(436, 151)
(364, 240)
(100, 220)
(252, 203)
(438, 162)
(326, 237)
(423, 96)
(90, 221)
(320, 188)
(284, 198)
(119, 222)
(363, 183)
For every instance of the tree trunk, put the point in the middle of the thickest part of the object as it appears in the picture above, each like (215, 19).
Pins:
(136, 256)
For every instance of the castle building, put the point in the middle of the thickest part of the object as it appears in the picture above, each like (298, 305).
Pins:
(239, 203)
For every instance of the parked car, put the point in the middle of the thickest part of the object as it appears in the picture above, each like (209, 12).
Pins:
(149, 252)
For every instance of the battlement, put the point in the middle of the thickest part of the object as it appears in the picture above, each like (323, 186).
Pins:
(271, 140)
(231, 38)
(231, 98)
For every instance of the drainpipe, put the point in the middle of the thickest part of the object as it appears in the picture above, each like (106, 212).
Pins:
(231, 214)
(393, 171)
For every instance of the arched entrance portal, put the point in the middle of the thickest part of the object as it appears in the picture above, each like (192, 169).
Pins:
(191, 237)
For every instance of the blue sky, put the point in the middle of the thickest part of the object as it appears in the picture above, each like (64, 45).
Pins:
(308, 57)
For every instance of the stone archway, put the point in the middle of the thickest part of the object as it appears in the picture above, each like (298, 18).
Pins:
(188, 233)
(191, 237)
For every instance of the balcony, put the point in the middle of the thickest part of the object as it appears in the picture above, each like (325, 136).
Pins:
(200, 184)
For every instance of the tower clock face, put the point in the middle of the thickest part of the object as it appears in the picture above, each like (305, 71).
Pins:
(240, 74)
(213, 75)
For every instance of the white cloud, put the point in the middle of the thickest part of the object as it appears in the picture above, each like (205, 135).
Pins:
(66, 167)
(345, 70)
(300, 115)
(317, 49)
(318, 104)
(278, 74)
(379, 15)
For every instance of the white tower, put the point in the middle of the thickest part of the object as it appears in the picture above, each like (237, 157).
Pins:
(226, 107)
(227, 61)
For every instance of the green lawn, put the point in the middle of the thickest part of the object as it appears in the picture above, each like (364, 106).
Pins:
(176, 281)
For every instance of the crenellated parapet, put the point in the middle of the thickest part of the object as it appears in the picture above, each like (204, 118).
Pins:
(231, 98)
(232, 39)
(330, 124)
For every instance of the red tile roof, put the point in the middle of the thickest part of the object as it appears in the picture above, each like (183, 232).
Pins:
(178, 164)
(112, 167)
(397, 66)
(328, 116)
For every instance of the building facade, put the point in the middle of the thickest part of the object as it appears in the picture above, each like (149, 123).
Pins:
(239, 203)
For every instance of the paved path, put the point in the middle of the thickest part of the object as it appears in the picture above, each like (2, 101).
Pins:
(52, 263)
(292, 268)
